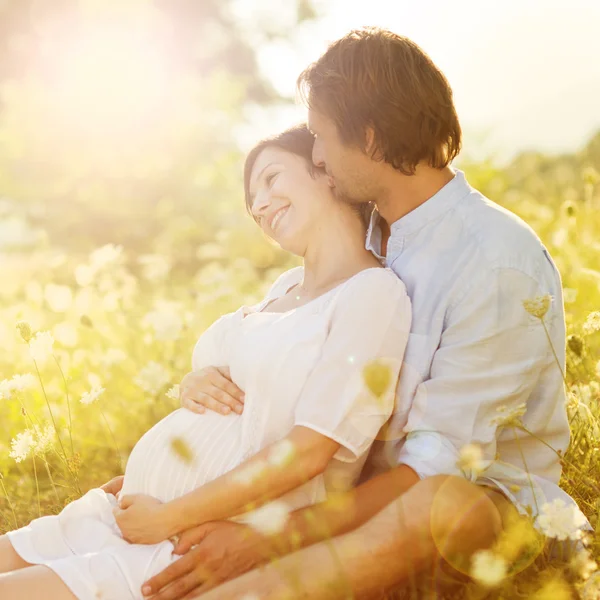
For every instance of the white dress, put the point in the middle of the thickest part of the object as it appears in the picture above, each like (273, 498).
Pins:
(300, 367)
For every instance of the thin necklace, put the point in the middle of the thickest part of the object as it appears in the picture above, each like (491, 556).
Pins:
(318, 292)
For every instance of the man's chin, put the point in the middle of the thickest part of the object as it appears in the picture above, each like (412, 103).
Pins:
(348, 198)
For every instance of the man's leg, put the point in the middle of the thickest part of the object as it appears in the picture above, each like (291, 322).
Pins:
(34, 583)
(9, 559)
(441, 517)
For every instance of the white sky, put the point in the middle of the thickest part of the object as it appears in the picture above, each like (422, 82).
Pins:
(525, 73)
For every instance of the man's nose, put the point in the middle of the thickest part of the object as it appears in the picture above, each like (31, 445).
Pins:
(317, 155)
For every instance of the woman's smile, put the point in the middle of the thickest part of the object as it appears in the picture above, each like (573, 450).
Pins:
(276, 218)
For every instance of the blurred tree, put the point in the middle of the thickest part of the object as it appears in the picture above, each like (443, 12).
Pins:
(118, 118)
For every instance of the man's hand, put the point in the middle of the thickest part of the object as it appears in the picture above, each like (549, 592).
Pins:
(222, 550)
(211, 388)
(113, 486)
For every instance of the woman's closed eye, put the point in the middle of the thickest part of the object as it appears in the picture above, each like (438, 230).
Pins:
(270, 178)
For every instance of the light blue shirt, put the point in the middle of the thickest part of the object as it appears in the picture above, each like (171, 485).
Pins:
(474, 352)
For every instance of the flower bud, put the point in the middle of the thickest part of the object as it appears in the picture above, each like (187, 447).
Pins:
(575, 344)
(590, 176)
(377, 377)
(538, 307)
(24, 329)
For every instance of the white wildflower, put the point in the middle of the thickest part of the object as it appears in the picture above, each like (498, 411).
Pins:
(538, 307)
(560, 237)
(165, 321)
(5, 389)
(22, 445)
(509, 416)
(569, 295)
(58, 297)
(113, 356)
(582, 564)
(210, 251)
(154, 266)
(487, 568)
(23, 382)
(105, 256)
(92, 395)
(591, 589)
(270, 518)
(470, 459)
(41, 346)
(173, 392)
(65, 334)
(94, 380)
(84, 275)
(110, 301)
(44, 438)
(561, 521)
(19, 383)
(247, 475)
(281, 453)
(34, 292)
(583, 392)
(152, 378)
(592, 323)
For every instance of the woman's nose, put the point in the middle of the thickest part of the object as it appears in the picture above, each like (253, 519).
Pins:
(261, 203)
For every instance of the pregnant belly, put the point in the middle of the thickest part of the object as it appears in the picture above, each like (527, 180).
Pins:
(183, 452)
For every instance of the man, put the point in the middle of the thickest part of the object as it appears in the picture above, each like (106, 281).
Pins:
(386, 131)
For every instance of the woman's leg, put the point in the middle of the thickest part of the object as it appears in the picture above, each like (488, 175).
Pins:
(35, 583)
(9, 559)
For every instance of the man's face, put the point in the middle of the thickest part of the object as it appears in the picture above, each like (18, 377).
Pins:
(352, 173)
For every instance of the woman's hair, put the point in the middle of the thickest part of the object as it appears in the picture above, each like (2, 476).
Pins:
(374, 78)
(296, 140)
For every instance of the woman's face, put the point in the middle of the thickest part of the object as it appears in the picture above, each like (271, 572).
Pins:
(287, 202)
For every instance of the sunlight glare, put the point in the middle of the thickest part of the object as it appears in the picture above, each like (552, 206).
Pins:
(109, 80)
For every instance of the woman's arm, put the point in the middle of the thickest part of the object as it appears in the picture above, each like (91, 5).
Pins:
(275, 470)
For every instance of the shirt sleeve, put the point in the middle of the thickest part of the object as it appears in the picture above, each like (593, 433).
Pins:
(491, 355)
(350, 394)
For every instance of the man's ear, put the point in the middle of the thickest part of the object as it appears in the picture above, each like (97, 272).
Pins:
(371, 148)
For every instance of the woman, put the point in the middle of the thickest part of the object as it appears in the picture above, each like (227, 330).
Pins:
(304, 356)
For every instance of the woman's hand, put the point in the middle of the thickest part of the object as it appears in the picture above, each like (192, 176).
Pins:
(113, 486)
(143, 519)
(211, 388)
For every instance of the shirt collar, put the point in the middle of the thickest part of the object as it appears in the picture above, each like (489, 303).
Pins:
(442, 201)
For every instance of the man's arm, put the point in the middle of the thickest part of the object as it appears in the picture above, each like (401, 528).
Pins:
(438, 517)
(347, 511)
(225, 550)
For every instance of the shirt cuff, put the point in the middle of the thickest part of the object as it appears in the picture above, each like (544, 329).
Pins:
(429, 453)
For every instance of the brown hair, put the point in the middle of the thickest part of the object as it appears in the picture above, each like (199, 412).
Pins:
(296, 140)
(375, 78)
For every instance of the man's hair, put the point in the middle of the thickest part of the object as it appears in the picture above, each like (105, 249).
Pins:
(375, 78)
